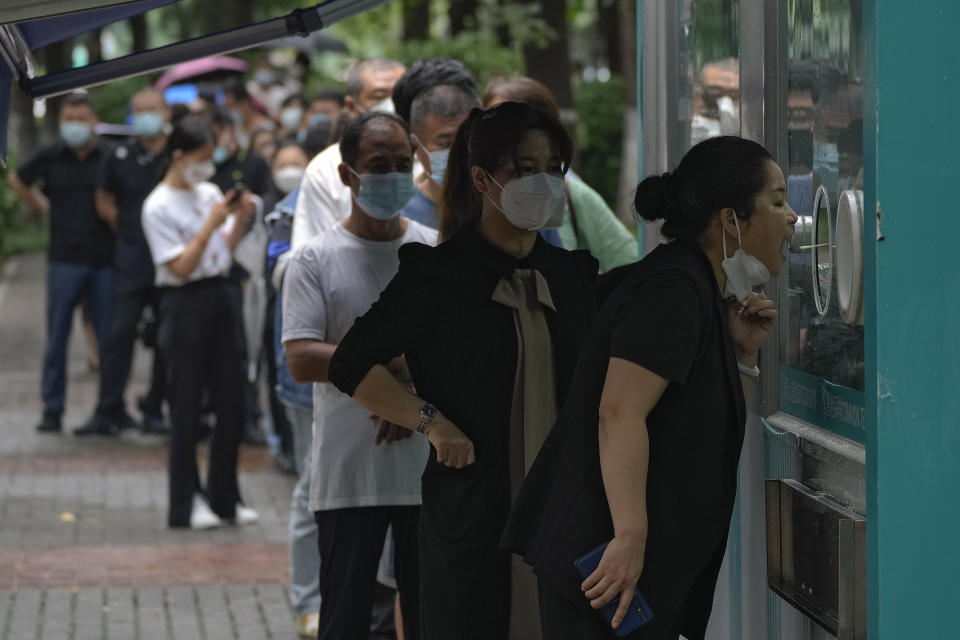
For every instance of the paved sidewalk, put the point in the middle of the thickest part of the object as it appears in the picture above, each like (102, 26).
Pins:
(84, 550)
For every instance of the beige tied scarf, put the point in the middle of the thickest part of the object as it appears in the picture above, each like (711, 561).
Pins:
(533, 413)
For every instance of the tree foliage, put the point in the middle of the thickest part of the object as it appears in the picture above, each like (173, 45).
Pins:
(599, 134)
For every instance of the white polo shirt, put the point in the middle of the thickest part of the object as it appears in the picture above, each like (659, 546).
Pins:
(323, 201)
(330, 281)
(171, 218)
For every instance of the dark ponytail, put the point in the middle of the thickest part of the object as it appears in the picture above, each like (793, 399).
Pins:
(726, 171)
(460, 203)
(487, 139)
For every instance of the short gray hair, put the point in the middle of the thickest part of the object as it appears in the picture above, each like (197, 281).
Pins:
(444, 101)
(355, 75)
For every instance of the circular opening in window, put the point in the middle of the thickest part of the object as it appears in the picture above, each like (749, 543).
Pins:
(850, 257)
(824, 242)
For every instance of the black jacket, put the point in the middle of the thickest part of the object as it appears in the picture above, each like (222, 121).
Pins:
(461, 348)
(668, 316)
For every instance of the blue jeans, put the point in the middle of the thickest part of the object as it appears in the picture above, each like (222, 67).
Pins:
(304, 554)
(68, 283)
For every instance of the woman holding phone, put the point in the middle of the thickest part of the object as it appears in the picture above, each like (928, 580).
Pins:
(192, 231)
(644, 454)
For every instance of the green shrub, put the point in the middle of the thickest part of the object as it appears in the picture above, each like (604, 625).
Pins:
(600, 134)
(16, 234)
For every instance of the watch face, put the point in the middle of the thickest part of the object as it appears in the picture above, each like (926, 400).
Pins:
(429, 410)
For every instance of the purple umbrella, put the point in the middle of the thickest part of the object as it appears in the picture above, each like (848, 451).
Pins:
(202, 67)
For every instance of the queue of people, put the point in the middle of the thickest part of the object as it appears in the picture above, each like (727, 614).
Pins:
(473, 377)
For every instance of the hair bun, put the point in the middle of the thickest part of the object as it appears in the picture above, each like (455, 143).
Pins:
(655, 198)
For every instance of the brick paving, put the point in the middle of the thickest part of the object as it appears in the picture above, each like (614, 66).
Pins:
(84, 550)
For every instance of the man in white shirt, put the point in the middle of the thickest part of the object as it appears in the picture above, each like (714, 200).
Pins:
(363, 477)
(324, 200)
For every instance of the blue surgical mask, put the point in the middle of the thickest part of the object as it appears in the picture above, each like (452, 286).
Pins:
(265, 78)
(438, 163)
(291, 117)
(148, 123)
(75, 134)
(383, 195)
(318, 119)
(220, 155)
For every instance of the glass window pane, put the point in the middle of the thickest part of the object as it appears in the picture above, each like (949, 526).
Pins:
(822, 374)
(708, 86)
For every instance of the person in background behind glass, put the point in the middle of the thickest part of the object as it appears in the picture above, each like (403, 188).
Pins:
(80, 256)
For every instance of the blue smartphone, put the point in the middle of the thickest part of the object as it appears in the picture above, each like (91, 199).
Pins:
(638, 614)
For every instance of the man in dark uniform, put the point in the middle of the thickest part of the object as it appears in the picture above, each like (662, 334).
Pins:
(80, 255)
(127, 176)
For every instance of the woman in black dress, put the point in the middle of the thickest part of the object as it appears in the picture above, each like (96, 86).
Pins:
(645, 451)
(490, 323)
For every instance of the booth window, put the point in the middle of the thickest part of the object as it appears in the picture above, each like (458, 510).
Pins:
(821, 335)
(708, 86)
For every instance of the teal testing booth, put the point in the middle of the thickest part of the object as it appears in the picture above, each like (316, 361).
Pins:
(848, 516)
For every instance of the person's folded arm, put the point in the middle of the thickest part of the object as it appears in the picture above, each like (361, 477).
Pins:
(398, 323)
(309, 360)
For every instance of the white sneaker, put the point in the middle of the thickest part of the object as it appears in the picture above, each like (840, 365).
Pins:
(201, 516)
(245, 515)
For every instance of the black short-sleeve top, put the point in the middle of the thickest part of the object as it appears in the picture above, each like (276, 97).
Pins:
(129, 172)
(77, 233)
(667, 315)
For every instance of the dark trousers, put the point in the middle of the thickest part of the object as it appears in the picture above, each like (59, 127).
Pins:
(115, 362)
(68, 283)
(351, 542)
(198, 344)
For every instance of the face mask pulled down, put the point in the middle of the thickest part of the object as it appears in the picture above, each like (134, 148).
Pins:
(383, 195)
(532, 202)
(744, 271)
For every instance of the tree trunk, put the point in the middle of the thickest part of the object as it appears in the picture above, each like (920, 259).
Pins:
(416, 19)
(24, 139)
(138, 27)
(57, 57)
(502, 28)
(608, 25)
(94, 47)
(463, 15)
(551, 64)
